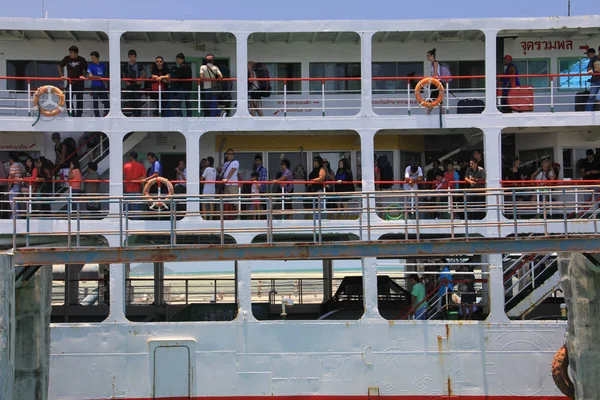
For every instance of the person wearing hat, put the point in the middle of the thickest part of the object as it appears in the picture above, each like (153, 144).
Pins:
(593, 68)
(133, 173)
(509, 82)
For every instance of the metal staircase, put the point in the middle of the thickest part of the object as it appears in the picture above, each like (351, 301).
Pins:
(537, 277)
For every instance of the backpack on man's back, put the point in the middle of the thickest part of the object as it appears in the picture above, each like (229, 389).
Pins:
(264, 86)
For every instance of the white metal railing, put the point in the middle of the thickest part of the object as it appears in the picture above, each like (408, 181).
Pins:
(462, 94)
(460, 213)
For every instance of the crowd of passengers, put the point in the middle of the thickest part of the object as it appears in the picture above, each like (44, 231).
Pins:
(174, 82)
(176, 87)
(23, 175)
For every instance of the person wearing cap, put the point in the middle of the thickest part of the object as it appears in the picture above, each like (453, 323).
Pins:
(509, 82)
(182, 88)
(133, 173)
(593, 68)
(210, 72)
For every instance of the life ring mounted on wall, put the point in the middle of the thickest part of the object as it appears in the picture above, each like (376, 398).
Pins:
(44, 106)
(426, 83)
(560, 373)
(158, 204)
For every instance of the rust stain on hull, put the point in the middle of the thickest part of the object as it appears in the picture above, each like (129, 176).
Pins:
(449, 387)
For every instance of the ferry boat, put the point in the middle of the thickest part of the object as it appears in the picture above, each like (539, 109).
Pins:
(274, 292)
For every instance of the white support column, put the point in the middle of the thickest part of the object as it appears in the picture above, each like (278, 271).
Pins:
(492, 138)
(369, 271)
(495, 287)
(367, 162)
(244, 292)
(241, 54)
(117, 287)
(490, 73)
(366, 73)
(192, 149)
(367, 159)
(116, 169)
(114, 55)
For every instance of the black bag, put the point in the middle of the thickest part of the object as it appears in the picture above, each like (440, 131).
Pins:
(470, 106)
(581, 100)
(264, 86)
(387, 174)
(92, 206)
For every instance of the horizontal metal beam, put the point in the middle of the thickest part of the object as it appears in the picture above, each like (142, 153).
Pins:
(305, 251)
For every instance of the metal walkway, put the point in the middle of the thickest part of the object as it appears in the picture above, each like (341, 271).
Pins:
(306, 251)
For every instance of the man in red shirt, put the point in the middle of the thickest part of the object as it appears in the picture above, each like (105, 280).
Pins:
(133, 171)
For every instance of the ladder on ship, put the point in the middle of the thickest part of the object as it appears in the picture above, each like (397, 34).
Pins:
(537, 277)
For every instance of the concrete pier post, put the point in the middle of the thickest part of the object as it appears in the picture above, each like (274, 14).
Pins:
(32, 341)
(7, 326)
(580, 280)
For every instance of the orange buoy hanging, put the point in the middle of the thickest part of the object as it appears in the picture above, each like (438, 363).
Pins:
(58, 106)
(429, 102)
(158, 203)
(560, 373)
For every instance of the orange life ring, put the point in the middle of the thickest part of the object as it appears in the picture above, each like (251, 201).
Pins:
(427, 102)
(49, 89)
(154, 204)
(560, 373)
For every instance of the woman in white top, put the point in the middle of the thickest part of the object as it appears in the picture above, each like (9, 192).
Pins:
(209, 176)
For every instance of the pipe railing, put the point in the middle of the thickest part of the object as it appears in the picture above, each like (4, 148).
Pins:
(327, 96)
(460, 213)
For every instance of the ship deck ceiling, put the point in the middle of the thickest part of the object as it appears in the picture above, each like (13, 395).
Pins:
(53, 36)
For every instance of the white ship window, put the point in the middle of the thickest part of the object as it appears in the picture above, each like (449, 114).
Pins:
(285, 70)
(532, 67)
(466, 68)
(335, 70)
(37, 69)
(576, 65)
(395, 69)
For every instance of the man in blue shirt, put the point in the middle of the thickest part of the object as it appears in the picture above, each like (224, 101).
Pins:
(155, 169)
(96, 71)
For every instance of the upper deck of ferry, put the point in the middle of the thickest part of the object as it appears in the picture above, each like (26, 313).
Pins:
(326, 70)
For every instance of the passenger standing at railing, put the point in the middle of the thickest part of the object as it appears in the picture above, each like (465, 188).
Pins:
(210, 87)
(413, 174)
(45, 177)
(15, 174)
(286, 175)
(91, 186)
(77, 67)
(593, 68)
(30, 177)
(475, 178)
(64, 151)
(344, 178)
(208, 174)
(508, 83)
(97, 70)
(131, 95)
(230, 179)
(589, 168)
(419, 304)
(436, 72)
(468, 297)
(75, 177)
(183, 88)
(181, 172)
(255, 192)
(161, 75)
(514, 173)
(318, 187)
(255, 103)
(133, 175)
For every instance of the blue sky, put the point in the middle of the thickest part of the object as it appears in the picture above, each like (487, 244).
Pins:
(297, 10)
